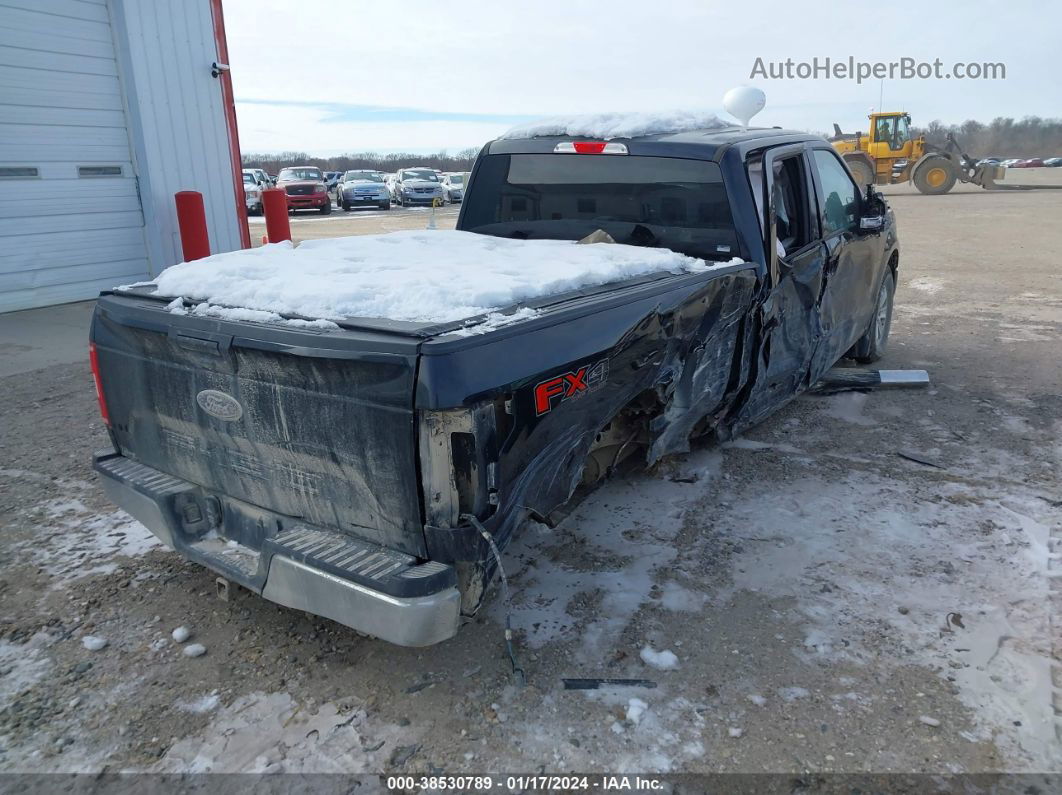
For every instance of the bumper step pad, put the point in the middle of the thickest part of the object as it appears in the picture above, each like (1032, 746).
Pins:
(386, 570)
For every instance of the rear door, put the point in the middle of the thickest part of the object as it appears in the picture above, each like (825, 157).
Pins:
(798, 264)
(317, 426)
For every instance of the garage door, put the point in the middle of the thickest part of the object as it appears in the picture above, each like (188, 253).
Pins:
(70, 217)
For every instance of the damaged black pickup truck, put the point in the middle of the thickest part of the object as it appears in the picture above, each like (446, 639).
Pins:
(349, 472)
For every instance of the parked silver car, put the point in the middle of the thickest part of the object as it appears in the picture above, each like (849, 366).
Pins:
(362, 189)
(416, 186)
(453, 185)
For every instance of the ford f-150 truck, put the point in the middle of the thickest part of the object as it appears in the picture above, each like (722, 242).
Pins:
(352, 471)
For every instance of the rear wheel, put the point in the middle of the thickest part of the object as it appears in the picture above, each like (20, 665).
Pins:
(871, 346)
(862, 172)
(936, 175)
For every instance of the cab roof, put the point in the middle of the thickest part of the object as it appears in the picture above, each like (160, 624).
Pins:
(707, 144)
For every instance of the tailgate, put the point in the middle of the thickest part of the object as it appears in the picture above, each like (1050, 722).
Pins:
(316, 426)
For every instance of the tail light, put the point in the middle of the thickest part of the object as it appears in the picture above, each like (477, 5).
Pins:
(590, 148)
(94, 362)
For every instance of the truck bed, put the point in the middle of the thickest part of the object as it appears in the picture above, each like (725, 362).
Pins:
(295, 461)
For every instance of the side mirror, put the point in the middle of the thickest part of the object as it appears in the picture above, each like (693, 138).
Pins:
(872, 211)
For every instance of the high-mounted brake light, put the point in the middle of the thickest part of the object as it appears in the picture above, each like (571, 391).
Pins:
(94, 363)
(589, 148)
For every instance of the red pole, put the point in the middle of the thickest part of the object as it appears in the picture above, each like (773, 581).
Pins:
(229, 106)
(191, 219)
(275, 209)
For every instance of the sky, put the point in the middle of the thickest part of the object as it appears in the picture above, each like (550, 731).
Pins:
(333, 76)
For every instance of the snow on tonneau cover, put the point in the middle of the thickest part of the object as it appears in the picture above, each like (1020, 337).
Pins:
(249, 373)
(421, 276)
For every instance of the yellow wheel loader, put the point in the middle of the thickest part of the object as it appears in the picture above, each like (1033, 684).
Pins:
(887, 154)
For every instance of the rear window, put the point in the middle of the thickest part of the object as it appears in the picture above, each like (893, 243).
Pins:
(654, 201)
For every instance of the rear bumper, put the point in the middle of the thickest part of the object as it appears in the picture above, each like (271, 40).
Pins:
(368, 588)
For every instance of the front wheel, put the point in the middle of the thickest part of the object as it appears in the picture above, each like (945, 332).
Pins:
(871, 346)
(936, 175)
(327, 208)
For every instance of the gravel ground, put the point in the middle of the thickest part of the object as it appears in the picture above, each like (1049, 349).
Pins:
(830, 603)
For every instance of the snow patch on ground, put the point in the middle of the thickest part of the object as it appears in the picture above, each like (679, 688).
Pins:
(792, 693)
(79, 543)
(624, 534)
(849, 407)
(206, 703)
(22, 665)
(927, 284)
(661, 660)
(619, 125)
(424, 276)
(272, 733)
(871, 551)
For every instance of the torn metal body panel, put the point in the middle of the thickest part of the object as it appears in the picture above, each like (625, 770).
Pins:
(675, 352)
(352, 472)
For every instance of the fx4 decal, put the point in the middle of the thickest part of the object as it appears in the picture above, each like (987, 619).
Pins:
(572, 384)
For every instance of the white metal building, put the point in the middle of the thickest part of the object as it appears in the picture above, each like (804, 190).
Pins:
(107, 108)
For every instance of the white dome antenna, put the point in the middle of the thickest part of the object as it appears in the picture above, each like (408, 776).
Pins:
(743, 103)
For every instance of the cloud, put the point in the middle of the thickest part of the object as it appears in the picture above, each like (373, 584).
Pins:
(275, 128)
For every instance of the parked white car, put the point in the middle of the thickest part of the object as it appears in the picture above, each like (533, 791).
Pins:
(261, 177)
(252, 193)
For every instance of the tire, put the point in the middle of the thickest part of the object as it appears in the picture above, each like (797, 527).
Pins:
(327, 209)
(345, 206)
(862, 172)
(875, 340)
(385, 205)
(936, 175)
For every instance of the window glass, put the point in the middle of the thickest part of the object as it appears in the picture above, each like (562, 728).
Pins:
(790, 204)
(18, 172)
(99, 171)
(639, 200)
(839, 203)
(892, 131)
(292, 174)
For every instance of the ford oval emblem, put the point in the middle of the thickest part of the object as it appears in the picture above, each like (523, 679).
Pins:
(218, 404)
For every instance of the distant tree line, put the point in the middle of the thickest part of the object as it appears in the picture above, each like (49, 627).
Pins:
(272, 163)
(1002, 137)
